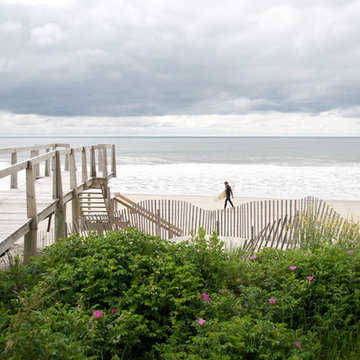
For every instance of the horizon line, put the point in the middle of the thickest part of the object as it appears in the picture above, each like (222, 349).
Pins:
(178, 136)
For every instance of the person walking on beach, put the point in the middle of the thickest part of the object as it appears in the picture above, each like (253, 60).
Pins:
(229, 194)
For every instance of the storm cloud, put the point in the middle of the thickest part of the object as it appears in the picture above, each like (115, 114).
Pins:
(158, 58)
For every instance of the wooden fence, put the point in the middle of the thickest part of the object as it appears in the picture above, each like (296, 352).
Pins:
(278, 224)
(245, 221)
(271, 223)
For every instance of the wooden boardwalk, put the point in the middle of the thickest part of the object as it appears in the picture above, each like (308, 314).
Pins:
(50, 181)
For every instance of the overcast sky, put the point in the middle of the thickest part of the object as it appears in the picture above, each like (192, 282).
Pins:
(177, 67)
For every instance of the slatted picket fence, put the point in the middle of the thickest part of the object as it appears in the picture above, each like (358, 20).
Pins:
(268, 223)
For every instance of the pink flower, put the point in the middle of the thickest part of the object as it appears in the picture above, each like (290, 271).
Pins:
(350, 251)
(223, 291)
(113, 311)
(306, 254)
(98, 314)
(292, 268)
(15, 288)
(272, 301)
(253, 257)
(297, 344)
(201, 321)
(310, 278)
(205, 297)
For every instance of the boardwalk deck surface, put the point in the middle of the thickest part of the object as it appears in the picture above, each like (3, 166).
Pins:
(13, 212)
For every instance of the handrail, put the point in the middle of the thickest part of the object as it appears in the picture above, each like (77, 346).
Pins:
(31, 148)
(34, 152)
(34, 161)
(32, 167)
(47, 156)
(13, 169)
(155, 218)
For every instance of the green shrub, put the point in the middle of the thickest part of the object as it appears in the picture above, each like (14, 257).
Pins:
(241, 338)
(320, 295)
(127, 295)
(154, 286)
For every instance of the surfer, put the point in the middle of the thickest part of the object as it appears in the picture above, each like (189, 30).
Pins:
(229, 194)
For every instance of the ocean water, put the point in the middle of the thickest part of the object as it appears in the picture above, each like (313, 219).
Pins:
(280, 167)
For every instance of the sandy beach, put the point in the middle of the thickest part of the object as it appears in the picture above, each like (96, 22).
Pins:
(349, 209)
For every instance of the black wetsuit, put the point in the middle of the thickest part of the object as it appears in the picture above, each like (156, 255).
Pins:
(229, 193)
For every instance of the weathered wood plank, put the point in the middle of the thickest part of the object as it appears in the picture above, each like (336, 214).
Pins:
(29, 148)
(14, 236)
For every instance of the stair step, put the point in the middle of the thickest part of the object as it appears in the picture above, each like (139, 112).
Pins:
(94, 212)
(92, 202)
(94, 207)
(91, 197)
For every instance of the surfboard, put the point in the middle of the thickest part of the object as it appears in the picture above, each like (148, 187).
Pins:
(222, 195)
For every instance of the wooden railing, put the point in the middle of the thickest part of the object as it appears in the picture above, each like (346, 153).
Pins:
(136, 210)
(92, 171)
(33, 151)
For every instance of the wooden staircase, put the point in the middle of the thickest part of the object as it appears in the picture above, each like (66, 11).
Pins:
(92, 202)
(97, 213)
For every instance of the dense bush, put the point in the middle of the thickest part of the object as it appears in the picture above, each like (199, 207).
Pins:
(127, 295)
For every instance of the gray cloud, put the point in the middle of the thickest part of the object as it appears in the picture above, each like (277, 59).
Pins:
(136, 58)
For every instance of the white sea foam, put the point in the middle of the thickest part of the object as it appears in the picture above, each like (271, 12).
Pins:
(327, 182)
(261, 180)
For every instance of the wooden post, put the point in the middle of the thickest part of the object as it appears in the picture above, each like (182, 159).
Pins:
(107, 199)
(113, 160)
(110, 202)
(100, 158)
(35, 170)
(60, 224)
(104, 163)
(84, 172)
(93, 163)
(158, 223)
(37, 166)
(67, 160)
(53, 171)
(171, 219)
(47, 165)
(111, 207)
(31, 237)
(75, 203)
(60, 212)
(13, 181)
